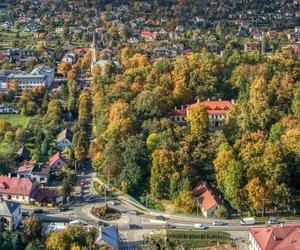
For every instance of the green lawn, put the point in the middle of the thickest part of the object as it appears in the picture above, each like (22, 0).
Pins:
(15, 119)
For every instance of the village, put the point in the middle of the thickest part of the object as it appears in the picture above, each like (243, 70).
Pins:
(155, 112)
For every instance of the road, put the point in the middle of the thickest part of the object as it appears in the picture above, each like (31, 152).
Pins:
(80, 209)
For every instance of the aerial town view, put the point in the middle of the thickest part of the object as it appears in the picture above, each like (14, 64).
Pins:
(149, 124)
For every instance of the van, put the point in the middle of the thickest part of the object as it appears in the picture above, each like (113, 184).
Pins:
(75, 222)
(247, 221)
(199, 226)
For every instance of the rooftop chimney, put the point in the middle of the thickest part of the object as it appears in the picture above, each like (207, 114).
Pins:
(220, 100)
(198, 100)
(232, 101)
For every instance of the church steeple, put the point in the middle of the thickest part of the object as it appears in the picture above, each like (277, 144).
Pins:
(94, 50)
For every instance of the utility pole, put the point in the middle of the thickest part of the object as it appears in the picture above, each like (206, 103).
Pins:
(197, 202)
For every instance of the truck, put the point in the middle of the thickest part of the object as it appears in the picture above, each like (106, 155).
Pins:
(247, 221)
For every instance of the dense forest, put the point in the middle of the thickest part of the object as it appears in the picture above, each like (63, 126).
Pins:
(254, 160)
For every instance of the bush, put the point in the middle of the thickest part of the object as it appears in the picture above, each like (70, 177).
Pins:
(221, 212)
(106, 213)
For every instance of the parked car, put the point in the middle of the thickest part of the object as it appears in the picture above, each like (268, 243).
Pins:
(247, 221)
(25, 213)
(112, 203)
(102, 223)
(134, 212)
(134, 226)
(91, 199)
(169, 226)
(218, 223)
(273, 221)
(62, 209)
(160, 217)
(38, 211)
(199, 226)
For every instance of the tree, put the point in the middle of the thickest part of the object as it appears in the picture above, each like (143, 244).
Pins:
(257, 194)
(35, 245)
(185, 202)
(198, 118)
(64, 68)
(163, 166)
(33, 228)
(68, 185)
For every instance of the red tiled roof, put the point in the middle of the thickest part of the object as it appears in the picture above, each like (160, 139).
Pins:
(16, 186)
(206, 197)
(26, 166)
(214, 107)
(57, 156)
(283, 237)
(178, 112)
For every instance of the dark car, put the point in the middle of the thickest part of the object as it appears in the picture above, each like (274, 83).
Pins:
(169, 226)
(91, 199)
(62, 209)
(38, 211)
(25, 214)
(102, 223)
(160, 217)
(134, 226)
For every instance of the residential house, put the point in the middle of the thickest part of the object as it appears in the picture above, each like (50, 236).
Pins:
(18, 189)
(179, 28)
(22, 155)
(250, 46)
(69, 57)
(275, 237)
(206, 199)
(64, 139)
(58, 162)
(10, 214)
(109, 236)
(38, 172)
(148, 36)
(8, 108)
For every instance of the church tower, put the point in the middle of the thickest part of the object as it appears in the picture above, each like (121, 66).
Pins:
(94, 50)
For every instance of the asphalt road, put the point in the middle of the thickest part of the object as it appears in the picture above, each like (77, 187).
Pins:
(80, 209)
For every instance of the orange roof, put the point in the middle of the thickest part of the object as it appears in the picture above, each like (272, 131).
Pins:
(26, 166)
(57, 156)
(206, 197)
(214, 107)
(282, 237)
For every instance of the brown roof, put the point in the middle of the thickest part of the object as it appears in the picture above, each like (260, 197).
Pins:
(207, 199)
(65, 134)
(284, 237)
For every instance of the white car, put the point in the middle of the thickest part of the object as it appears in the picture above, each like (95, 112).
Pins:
(199, 226)
(218, 223)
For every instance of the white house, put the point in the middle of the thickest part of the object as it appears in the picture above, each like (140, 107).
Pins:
(64, 139)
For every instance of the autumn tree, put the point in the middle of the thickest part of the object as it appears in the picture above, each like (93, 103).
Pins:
(163, 166)
(198, 118)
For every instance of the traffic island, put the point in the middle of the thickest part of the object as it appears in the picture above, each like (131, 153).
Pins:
(106, 213)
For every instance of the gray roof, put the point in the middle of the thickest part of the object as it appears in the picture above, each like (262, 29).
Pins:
(110, 235)
(8, 207)
(41, 169)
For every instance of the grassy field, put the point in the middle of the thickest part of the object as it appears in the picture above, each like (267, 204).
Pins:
(15, 119)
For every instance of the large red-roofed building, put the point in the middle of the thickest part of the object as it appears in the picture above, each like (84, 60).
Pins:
(17, 189)
(282, 237)
(216, 112)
